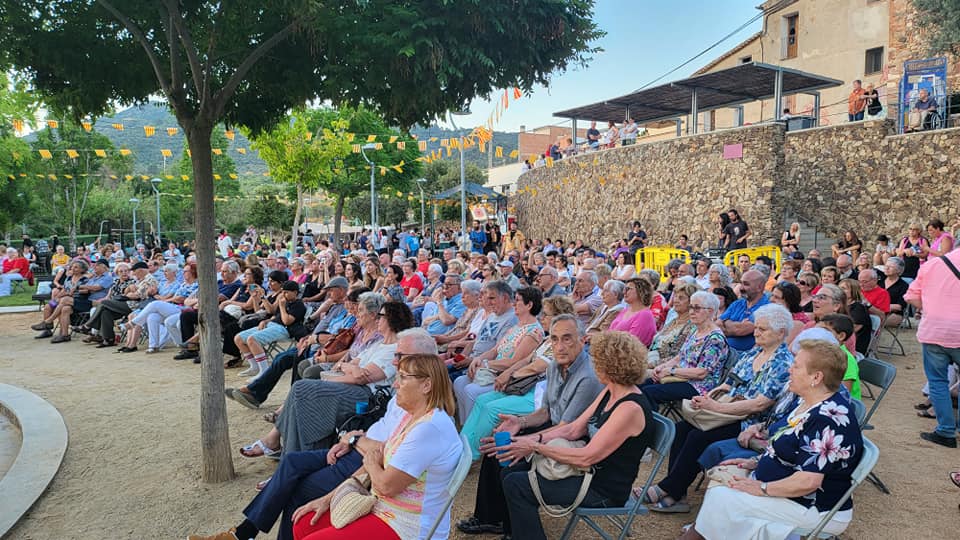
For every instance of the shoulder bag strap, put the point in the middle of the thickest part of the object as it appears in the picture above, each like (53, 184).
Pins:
(555, 510)
(950, 266)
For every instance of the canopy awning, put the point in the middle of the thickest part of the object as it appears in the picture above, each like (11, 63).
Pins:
(726, 88)
(475, 190)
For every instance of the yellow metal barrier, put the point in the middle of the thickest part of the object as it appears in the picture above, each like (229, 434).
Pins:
(657, 258)
(730, 259)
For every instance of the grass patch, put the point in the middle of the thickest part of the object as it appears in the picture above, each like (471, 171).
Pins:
(19, 299)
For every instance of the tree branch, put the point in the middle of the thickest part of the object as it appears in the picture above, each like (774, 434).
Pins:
(176, 79)
(228, 89)
(208, 60)
(139, 35)
(188, 47)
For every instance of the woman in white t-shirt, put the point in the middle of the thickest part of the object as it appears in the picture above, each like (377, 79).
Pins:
(410, 475)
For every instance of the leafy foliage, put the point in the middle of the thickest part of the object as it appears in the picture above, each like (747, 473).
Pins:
(942, 18)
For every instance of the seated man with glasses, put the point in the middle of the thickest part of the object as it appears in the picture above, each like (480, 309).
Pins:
(548, 282)
(441, 313)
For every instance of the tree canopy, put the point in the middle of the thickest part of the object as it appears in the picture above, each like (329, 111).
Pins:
(249, 62)
(942, 17)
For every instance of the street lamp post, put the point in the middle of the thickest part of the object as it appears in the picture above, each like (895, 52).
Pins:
(155, 184)
(136, 204)
(373, 188)
(423, 206)
(463, 183)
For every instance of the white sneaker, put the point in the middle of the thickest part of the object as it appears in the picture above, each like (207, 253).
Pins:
(252, 370)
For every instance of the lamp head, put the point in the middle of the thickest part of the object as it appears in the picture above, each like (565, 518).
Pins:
(421, 180)
(155, 181)
(135, 200)
(369, 146)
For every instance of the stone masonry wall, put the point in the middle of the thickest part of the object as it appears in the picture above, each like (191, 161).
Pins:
(672, 187)
(861, 177)
(854, 175)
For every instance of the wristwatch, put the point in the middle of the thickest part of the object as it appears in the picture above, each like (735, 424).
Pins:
(352, 441)
(673, 371)
(763, 488)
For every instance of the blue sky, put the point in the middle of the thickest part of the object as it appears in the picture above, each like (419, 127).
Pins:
(644, 40)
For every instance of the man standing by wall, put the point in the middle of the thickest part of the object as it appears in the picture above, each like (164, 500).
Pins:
(856, 103)
(937, 290)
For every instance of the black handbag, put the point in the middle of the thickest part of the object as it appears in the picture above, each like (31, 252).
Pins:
(519, 387)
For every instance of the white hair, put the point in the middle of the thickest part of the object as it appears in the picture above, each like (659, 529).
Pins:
(777, 316)
(420, 340)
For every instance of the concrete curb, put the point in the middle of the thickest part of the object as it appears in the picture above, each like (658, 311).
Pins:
(44, 443)
(20, 309)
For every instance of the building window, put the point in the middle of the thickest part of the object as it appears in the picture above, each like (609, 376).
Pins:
(746, 59)
(874, 61)
(791, 29)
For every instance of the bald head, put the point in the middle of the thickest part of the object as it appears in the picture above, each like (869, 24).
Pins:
(751, 285)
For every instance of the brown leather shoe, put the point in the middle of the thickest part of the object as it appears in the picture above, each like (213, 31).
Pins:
(92, 339)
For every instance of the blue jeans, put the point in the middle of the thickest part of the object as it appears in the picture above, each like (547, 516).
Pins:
(300, 478)
(721, 451)
(936, 360)
(264, 384)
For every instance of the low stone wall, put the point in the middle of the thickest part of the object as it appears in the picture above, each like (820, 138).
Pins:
(861, 177)
(856, 175)
(673, 187)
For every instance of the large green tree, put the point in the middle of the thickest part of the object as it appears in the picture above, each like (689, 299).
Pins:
(942, 18)
(298, 158)
(17, 105)
(248, 62)
(394, 169)
(63, 195)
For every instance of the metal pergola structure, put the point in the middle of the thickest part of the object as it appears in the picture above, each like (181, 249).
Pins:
(728, 88)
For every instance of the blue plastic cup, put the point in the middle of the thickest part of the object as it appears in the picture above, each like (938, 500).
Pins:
(362, 407)
(502, 438)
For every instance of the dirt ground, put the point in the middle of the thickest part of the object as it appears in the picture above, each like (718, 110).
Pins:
(132, 467)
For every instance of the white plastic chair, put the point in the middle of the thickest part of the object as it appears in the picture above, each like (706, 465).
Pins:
(459, 475)
(869, 459)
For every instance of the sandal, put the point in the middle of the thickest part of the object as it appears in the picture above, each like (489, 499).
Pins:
(955, 478)
(248, 451)
(645, 497)
(678, 507)
(925, 413)
(262, 484)
(923, 406)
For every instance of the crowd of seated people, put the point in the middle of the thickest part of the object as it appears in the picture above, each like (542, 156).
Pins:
(544, 339)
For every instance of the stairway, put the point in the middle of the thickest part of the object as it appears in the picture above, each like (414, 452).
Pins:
(811, 237)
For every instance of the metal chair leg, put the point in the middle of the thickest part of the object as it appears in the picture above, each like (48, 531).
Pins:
(875, 480)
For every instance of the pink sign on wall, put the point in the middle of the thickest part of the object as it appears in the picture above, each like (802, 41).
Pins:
(733, 151)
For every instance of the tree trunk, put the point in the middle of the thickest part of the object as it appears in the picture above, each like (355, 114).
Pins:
(214, 430)
(296, 217)
(337, 216)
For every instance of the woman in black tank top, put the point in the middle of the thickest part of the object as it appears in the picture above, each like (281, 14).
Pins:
(618, 428)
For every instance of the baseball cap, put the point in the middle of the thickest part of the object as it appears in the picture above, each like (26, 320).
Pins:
(505, 263)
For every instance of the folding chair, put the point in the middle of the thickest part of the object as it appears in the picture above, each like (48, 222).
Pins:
(863, 471)
(894, 333)
(876, 328)
(881, 374)
(878, 373)
(623, 517)
(459, 475)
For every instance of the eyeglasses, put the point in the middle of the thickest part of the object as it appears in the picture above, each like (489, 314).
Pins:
(406, 376)
(699, 308)
(381, 315)
(823, 297)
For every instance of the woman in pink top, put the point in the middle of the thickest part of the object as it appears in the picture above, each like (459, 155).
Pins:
(941, 242)
(637, 318)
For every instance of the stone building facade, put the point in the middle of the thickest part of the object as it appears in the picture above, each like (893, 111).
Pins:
(857, 176)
